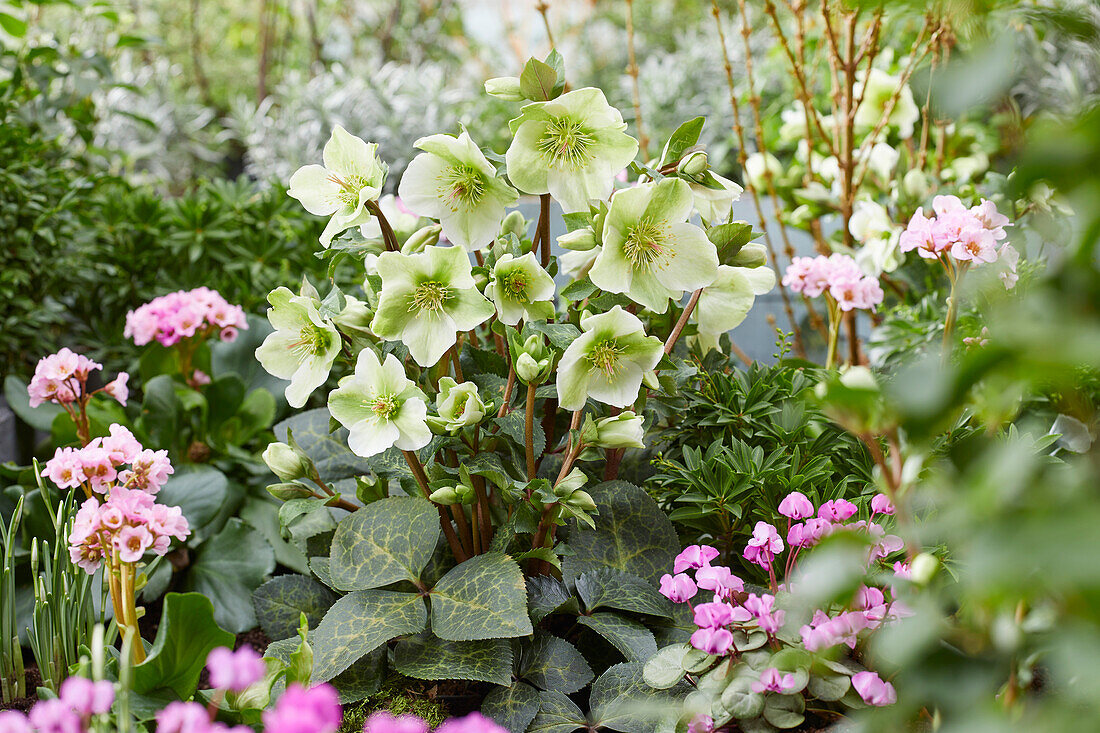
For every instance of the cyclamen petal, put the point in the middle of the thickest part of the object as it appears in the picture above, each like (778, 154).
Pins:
(693, 557)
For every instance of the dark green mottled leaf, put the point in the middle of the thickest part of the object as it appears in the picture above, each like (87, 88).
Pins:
(627, 635)
(514, 425)
(560, 334)
(384, 542)
(427, 657)
(483, 598)
(362, 679)
(280, 602)
(512, 707)
(551, 663)
(557, 714)
(632, 534)
(611, 588)
(359, 623)
(329, 451)
(547, 594)
(622, 701)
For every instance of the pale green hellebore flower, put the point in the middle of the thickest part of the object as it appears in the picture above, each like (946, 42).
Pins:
(650, 252)
(880, 88)
(607, 361)
(624, 430)
(571, 147)
(402, 221)
(725, 303)
(714, 204)
(426, 299)
(380, 407)
(457, 406)
(454, 182)
(351, 176)
(301, 348)
(520, 288)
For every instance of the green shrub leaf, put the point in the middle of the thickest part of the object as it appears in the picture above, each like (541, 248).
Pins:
(186, 634)
(483, 598)
(384, 542)
(427, 657)
(227, 569)
(359, 623)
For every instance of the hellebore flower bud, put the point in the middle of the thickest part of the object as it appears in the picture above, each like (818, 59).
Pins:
(693, 164)
(624, 430)
(286, 462)
(505, 87)
(458, 406)
(578, 240)
(421, 238)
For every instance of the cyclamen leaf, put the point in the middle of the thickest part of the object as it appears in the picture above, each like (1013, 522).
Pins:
(483, 598)
(280, 602)
(666, 668)
(739, 699)
(785, 711)
(621, 700)
(512, 707)
(384, 542)
(551, 663)
(359, 623)
(628, 636)
(427, 657)
(611, 588)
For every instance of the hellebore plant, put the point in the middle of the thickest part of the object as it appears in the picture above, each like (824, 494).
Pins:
(441, 446)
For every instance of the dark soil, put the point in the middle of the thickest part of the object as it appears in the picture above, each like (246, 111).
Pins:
(23, 704)
(459, 697)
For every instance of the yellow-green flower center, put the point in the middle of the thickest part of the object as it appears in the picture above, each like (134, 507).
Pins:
(430, 296)
(604, 355)
(351, 186)
(463, 185)
(515, 285)
(384, 406)
(312, 341)
(565, 142)
(646, 245)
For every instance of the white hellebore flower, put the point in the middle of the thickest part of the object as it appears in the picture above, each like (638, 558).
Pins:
(426, 299)
(571, 147)
(520, 288)
(650, 252)
(607, 361)
(755, 167)
(880, 89)
(301, 348)
(871, 226)
(351, 176)
(454, 182)
(714, 204)
(380, 407)
(725, 303)
(401, 219)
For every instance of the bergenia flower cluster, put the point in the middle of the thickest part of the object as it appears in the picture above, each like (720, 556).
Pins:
(965, 235)
(78, 700)
(62, 378)
(731, 608)
(838, 276)
(128, 523)
(99, 465)
(184, 314)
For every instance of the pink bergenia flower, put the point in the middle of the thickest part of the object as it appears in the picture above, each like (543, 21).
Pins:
(764, 545)
(386, 722)
(991, 219)
(795, 505)
(121, 444)
(944, 205)
(301, 710)
(1009, 258)
(693, 557)
(976, 244)
(65, 469)
(234, 671)
(678, 588)
(132, 542)
(773, 681)
(14, 722)
(919, 235)
(474, 722)
(712, 641)
(171, 318)
(720, 580)
(117, 388)
(149, 471)
(97, 467)
(864, 293)
(54, 716)
(873, 689)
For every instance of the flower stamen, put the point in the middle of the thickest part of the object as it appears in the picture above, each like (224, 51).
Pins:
(567, 143)
(605, 356)
(645, 246)
(429, 296)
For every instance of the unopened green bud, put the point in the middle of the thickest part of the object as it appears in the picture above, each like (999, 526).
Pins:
(514, 223)
(752, 254)
(923, 568)
(458, 406)
(505, 87)
(582, 501)
(287, 463)
(481, 280)
(649, 379)
(624, 430)
(529, 370)
(355, 316)
(421, 238)
(445, 496)
(693, 164)
(578, 240)
(288, 491)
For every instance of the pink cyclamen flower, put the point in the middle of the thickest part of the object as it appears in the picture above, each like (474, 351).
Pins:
(54, 716)
(838, 510)
(873, 689)
(701, 723)
(228, 334)
(14, 722)
(764, 545)
(712, 641)
(475, 722)
(713, 615)
(881, 504)
(183, 717)
(693, 557)
(301, 710)
(86, 697)
(234, 671)
(1009, 258)
(773, 681)
(720, 580)
(386, 722)
(117, 388)
(795, 505)
(678, 588)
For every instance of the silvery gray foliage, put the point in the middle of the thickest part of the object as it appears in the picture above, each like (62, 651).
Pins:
(391, 104)
(1062, 71)
(154, 132)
